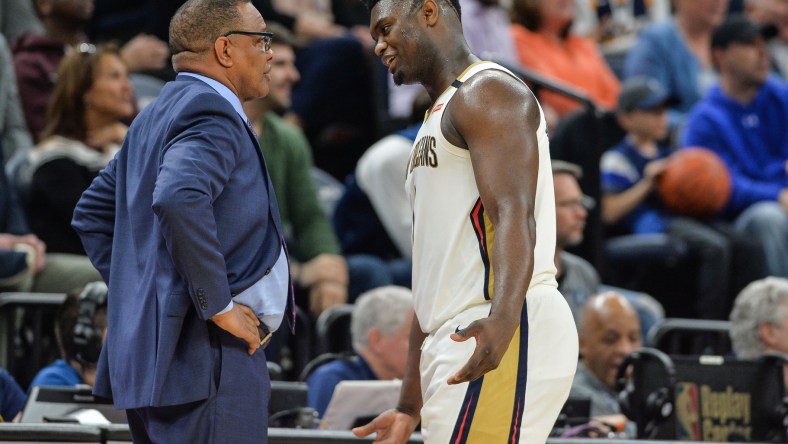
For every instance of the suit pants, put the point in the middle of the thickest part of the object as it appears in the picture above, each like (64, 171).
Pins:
(236, 411)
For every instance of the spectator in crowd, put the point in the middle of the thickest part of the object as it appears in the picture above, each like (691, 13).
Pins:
(319, 270)
(742, 119)
(12, 398)
(14, 136)
(25, 264)
(91, 98)
(37, 57)
(759, 320)
(615, 24)
(609, 332)
(340, 121)
(80, 324)
(577, 279)
(379, 327)
(676, 53)
(629, 172)
(772, 13)
(546, 45)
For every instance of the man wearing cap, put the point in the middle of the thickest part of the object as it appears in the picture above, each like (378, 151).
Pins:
(743, 119)
(630, 203)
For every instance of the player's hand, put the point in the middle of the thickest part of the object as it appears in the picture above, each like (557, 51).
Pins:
(390, 427)
(492, 340)
(242, 323)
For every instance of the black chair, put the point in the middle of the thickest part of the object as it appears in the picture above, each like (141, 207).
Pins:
(333, 330)
(27, 336)
(288, 406)
(677, 336)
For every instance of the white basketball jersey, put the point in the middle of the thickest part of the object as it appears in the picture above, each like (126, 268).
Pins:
(453, 238)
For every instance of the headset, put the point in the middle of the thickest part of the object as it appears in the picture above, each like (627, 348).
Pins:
(87, 338)
(773, 416)
(658, 405)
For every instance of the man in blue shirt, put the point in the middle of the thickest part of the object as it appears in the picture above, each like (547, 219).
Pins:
(743, 119)
(380, 328)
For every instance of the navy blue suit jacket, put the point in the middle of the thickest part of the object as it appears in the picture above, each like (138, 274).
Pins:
(184, 217)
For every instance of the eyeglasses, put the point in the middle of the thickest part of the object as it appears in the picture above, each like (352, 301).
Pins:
(266, 36)
(587, 203)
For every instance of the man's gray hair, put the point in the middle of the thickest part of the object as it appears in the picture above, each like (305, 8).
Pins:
(198, 23)
(760, 302)
(386, 308)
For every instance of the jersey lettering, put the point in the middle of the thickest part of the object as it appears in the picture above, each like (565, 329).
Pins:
(423, 154)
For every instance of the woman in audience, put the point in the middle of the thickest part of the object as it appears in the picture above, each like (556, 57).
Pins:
(544, 43)
(84, 130)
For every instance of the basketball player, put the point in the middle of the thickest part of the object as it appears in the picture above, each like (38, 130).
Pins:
(494, 350)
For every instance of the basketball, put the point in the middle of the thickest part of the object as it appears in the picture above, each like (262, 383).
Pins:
(695, 183)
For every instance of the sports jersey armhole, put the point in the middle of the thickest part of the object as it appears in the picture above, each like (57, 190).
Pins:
(472, 71)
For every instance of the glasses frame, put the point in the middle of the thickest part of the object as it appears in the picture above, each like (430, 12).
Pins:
(586, 202)
(267, 37)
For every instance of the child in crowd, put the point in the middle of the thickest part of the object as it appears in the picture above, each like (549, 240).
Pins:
(629, 173)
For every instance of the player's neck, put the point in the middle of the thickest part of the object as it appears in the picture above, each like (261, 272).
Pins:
(448, 70)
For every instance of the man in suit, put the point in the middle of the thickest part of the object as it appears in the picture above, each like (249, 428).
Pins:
(184, 227)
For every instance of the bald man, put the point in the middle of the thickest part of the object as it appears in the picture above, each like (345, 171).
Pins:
(609, 331)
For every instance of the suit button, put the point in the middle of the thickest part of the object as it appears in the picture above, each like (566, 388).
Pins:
(267, 272)
(200, 292)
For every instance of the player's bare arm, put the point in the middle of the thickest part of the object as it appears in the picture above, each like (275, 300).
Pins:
(496, 117)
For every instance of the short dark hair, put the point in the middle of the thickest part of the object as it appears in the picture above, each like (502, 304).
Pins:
(198, 23)
(414, 4)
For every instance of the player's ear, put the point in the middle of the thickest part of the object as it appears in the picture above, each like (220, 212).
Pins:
(430, 10)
